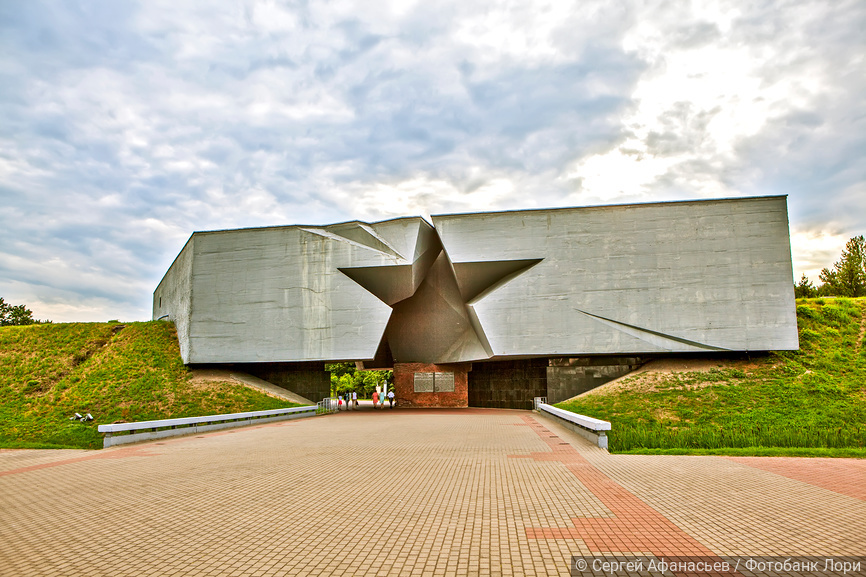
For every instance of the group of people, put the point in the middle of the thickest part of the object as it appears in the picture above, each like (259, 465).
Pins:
(350, 400)
(349, 403)
(379, 399)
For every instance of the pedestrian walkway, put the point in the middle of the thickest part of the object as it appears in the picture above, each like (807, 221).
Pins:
(363, 405)
(424, 492)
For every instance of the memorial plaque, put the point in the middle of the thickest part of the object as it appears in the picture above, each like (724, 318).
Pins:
(443, 383)
(424, 382)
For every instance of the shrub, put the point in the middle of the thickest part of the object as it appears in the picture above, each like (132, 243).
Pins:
(805, 311)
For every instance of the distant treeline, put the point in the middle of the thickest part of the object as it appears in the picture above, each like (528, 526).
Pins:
(846, 279)
(12, 315)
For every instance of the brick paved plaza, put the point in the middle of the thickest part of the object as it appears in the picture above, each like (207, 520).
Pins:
(425, 492)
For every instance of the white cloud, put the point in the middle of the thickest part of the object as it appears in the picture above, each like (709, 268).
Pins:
(813, 250)
(420, 196)
(125, 127)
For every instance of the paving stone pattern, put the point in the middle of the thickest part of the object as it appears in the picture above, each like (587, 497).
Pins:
(420, 492)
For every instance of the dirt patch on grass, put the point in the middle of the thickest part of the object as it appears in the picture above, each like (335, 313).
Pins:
(695, 365)
(203, 379)
(663, 415)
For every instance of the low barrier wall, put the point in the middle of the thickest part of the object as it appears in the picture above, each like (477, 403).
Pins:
(589, 428)
(122, 433)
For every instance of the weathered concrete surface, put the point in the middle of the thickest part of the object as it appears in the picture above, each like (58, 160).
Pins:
(173, 297)
(695, 276)
(685, 277)
(277, 294)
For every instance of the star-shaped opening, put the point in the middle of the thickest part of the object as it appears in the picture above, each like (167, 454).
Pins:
(433, 319)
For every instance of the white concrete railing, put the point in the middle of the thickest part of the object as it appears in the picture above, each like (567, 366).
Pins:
(149, 430)
(593, 429)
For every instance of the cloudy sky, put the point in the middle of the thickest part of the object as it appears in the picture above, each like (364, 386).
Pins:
(126, 126)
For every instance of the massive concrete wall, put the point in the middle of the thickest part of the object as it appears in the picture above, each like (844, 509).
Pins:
(630, 279)
(684, 277)
(278, 294)
(173, 297)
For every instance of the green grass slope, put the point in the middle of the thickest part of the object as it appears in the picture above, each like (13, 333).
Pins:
(807, 402)
(116, 372)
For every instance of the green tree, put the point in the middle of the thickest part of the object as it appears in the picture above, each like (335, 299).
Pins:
(345, 377)
(848, 277)
(16, 315)
(805, 289)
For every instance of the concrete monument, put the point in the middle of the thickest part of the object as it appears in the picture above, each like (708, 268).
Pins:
(533, 298)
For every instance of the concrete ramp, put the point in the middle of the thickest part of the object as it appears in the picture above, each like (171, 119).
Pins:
(204, 376)
(269, 388)
(645, 378)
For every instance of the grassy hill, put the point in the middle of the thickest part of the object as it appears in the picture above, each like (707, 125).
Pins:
(116, 372)
(809, 402)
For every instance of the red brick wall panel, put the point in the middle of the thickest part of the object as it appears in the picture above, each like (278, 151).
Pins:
(404, 385)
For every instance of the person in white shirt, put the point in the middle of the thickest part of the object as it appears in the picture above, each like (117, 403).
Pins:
(391, 398)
